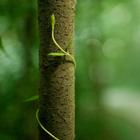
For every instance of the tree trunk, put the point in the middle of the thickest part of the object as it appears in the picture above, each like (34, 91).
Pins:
(57, 107)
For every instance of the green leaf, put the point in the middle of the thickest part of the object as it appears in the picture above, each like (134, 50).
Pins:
(56, 54)
(35, 97)
(53, 21)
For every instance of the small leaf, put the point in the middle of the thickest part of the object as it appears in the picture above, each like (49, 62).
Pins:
(56, 54)
(35, 97)
(53, 21)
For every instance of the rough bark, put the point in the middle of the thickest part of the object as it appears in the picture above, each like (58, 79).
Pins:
(57, 110)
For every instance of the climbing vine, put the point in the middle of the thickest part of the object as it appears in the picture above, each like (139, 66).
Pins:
(62, 53)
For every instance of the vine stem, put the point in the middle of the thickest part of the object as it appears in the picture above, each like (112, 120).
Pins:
(37, 117)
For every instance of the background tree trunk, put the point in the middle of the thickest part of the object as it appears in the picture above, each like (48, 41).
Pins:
(57, 109)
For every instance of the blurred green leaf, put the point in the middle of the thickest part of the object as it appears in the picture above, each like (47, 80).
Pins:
(1, 45)
(33, 98)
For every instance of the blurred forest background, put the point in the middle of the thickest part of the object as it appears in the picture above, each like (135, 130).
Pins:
(107, 45)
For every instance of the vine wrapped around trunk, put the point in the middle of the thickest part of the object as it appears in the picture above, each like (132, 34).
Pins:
(57, 104)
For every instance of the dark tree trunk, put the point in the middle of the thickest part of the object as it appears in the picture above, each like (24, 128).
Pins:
(57, 108)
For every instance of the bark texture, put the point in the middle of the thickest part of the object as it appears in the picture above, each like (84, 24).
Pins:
(57, 110)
